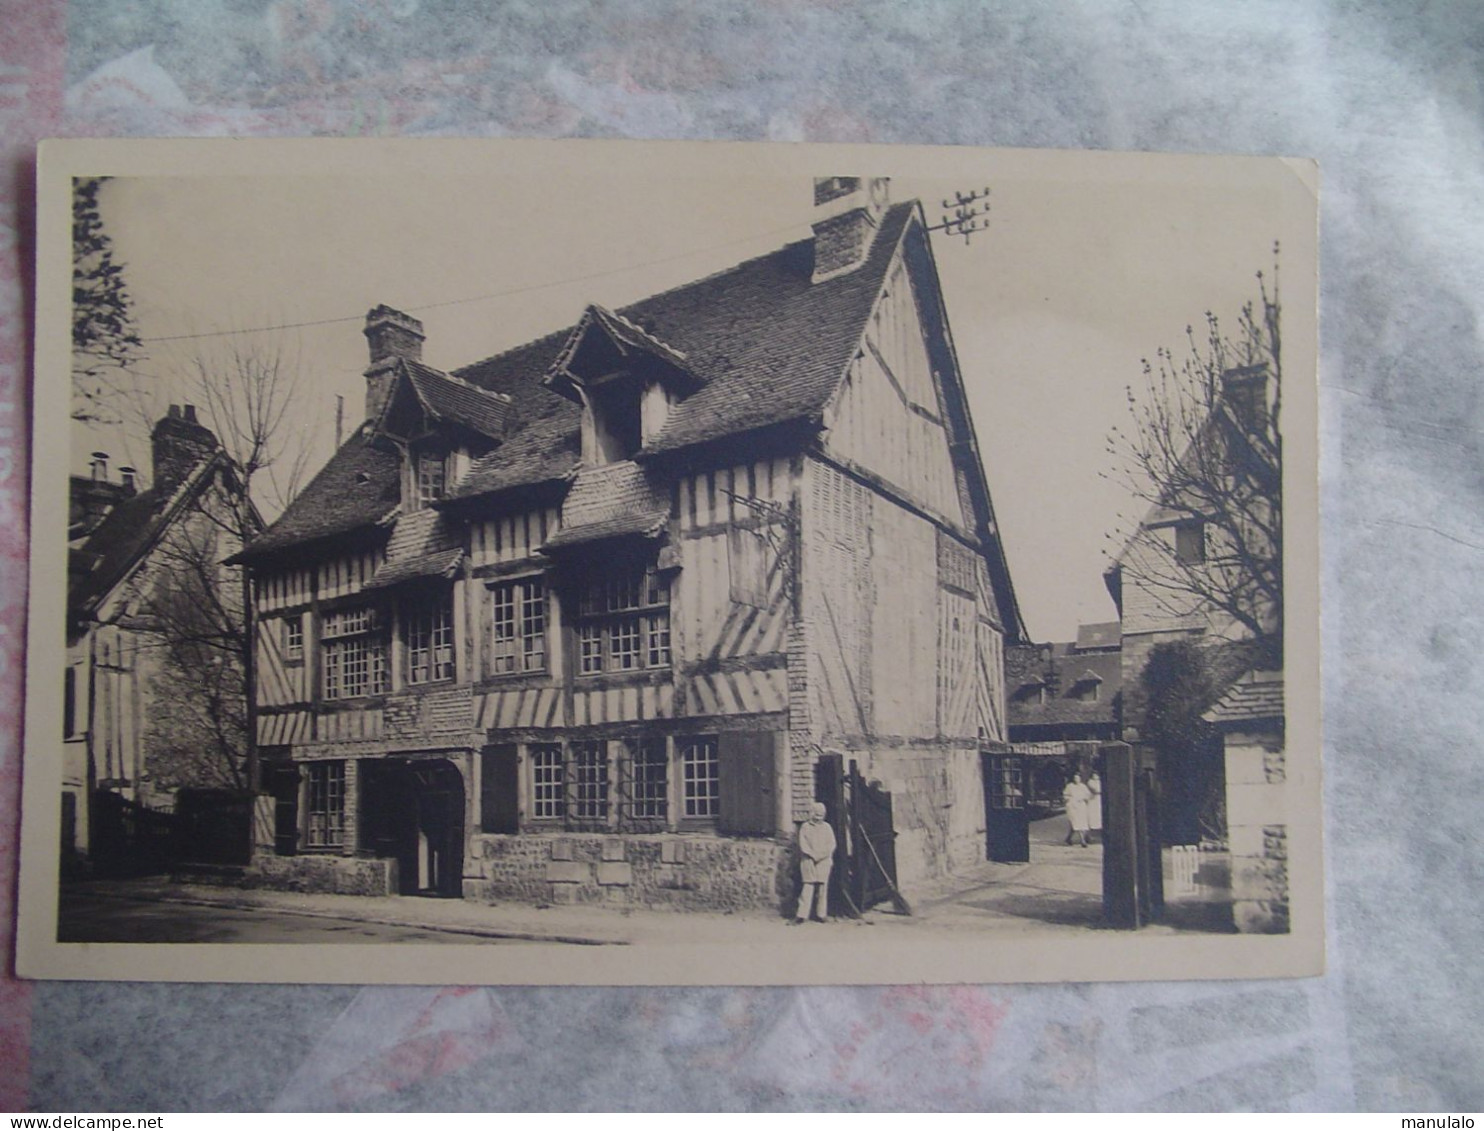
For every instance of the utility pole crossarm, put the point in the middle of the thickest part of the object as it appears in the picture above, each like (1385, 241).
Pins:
(965, 214)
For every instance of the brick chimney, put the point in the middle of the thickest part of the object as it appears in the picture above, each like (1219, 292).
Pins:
(178, 442)
(391, 335)
(1246, 391)
(848, 211)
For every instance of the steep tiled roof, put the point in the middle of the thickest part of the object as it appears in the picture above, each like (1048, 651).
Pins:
(357, 488)
(124, 535)
(1257, 695)
(421, 545)
(619, 498)
(114, 545)
(1069, 670)
(767, 344)
(773, 344)
(770, 344)
(458, 402)
(545, 441)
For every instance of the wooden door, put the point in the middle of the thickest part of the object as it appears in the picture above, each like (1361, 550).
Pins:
(1006, 819)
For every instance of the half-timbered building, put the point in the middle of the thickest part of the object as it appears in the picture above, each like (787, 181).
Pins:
(153, 700)
(597, 618)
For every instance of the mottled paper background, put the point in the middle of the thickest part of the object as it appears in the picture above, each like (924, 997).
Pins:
(1387, 97)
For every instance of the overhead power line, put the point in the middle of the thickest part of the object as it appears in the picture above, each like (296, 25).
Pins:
(476, 298)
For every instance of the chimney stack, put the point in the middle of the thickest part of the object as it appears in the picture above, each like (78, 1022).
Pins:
(177, 444)
(127, 480)
(1245, 390)
(100, 467)
(848, 211)
(391, 336)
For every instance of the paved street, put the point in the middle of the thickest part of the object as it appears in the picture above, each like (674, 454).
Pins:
(1059, 892)
(91, 915)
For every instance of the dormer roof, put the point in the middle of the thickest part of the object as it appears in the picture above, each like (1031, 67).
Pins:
(439, 398)
(602, 343)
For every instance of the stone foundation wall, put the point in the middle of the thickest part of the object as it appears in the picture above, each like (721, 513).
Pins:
(686, 873)
(323, 875)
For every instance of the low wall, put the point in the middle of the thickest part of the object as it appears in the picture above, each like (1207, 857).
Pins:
(685, 873)
(322, 875)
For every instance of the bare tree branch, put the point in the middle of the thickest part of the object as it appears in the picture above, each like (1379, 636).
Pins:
(1203, 451)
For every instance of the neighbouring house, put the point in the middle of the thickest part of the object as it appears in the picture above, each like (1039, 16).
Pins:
(1202, 629)
(1063, 699)
(151, 701)
(597, 618)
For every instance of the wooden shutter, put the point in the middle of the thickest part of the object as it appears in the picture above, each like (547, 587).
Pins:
(747, 785)
(499, 790)
(283, 783)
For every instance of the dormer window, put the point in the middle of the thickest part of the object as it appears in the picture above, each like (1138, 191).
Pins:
(626, 380)
(617, 431)
(432, 478)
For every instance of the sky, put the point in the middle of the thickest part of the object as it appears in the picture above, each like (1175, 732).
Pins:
(1087, 267)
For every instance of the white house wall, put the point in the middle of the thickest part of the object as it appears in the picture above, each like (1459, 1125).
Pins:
(887, 417)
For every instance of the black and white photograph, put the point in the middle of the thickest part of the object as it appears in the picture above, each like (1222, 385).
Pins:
(672, 563)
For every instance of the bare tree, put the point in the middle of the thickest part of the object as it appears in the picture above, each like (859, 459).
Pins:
(1204, 452)
(193, 607)
(246, 389)
(193, 614)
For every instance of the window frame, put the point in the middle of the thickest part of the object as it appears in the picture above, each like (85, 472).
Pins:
(424, 492)
(622, 621)
(325, 799)
(633, 784)
(70, 729)
(524, 600)
(590, 784)
(707, 800)
(336, 640)
(414, 611)
(1191, 544)
(549, 806)
(645, 789)
(293, 639)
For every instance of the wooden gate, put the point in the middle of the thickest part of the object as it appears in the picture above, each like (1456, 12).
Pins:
(127, 838)
(865, 872)
(213, 826)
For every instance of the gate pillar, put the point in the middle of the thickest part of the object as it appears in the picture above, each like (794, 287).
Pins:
(1133, 885)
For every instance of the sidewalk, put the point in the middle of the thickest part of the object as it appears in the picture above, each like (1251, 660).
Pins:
(1058, 892)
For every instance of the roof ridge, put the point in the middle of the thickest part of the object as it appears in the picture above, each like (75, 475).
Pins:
(558, 337)
(566, 332)
(554, 336)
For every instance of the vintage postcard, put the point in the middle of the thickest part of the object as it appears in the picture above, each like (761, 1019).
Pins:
(668, 563)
